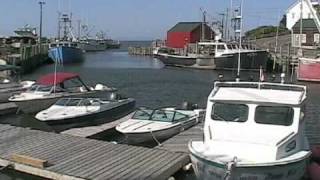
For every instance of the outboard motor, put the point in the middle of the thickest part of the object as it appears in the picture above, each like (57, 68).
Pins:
(188, 106)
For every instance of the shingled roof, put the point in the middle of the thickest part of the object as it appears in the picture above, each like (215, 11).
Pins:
(306, 24)
(185, 27)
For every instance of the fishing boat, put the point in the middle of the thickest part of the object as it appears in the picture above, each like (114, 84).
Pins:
(65, 52)
(65, 49)
(52, 87)
(71, 110)
(92, 45)
(10, 85)
(253, 130)
(147, 125)
(219, 55)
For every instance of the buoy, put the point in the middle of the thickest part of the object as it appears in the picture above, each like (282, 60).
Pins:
(171, 178)
(314, 171)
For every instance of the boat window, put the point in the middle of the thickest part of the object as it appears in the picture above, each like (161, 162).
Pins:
(85, 102)
(230, 46)
(61, 102)
(66, 45)
(162, 115)
(73, 45)
(235, 46)
(275, 115)
(179, 116)
(143, 114)
(60, 44)
(230, 112)
(44, 88)
(221, 47)
(73, 102)
(53, 45)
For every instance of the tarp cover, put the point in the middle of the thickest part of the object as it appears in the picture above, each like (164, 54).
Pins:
(49, 79)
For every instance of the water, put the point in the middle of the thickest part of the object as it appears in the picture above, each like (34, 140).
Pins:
(146, 80)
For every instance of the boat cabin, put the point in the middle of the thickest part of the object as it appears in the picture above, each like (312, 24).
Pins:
(212, 48)
(63, 44)
(255, 122)
(67, 102)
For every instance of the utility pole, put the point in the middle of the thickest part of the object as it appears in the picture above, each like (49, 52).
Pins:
(223, 15)
(41, 3)
(203, 27)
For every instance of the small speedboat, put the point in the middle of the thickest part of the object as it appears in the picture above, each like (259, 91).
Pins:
(70, 110)
(253, 130)
(147, 125)
(52, 87)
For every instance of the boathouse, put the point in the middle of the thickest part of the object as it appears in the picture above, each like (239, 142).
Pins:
(310, 34)
(185, 33)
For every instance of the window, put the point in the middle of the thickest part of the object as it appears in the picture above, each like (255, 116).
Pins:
(316, 38)
(162, 115)
(61, 102)
(179, 116)
(230, 46)
(221, 47)
(73, 102)
(230, 112)
(293, 15)
(275, 115)
(142, 114)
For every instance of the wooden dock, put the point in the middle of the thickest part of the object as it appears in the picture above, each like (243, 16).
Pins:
(179, 143)
(8, 108)
(91, 131)
(64, 157)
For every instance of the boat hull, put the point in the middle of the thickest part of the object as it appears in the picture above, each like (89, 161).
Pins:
(37, 105)
(249, 61)
(92, 47)
(8, 90)
(138, 138)
(209, 170)
(66, 55)
(309, 70)
(173, 60)
(103, 116)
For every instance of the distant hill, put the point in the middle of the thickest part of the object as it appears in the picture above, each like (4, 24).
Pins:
(265, 31)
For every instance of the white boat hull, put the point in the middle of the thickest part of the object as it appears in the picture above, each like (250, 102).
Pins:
(209, 170)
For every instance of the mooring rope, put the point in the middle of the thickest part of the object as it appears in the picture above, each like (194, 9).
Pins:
(155, 139)
(230, 166)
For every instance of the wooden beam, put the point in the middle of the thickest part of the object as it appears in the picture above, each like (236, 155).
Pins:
(27, 160)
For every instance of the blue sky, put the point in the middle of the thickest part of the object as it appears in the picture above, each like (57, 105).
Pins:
(132, 19)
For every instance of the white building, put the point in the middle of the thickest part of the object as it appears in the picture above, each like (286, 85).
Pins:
(294, 12)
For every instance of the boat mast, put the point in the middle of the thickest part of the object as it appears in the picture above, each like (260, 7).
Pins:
(240, 41)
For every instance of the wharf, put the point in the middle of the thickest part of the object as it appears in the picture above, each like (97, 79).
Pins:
(179, 143)
(91, 131)
(142, 51)
(64, 157)
(8, 108)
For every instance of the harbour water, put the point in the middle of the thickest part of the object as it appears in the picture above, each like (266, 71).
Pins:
(151, 84)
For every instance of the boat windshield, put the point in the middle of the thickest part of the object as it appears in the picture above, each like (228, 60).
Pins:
(159, 115)
(230, 112)
(39, 88)
(68, 102)
(274, 115)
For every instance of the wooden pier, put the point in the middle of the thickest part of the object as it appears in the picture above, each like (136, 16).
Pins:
(142, 51)
(92, 131)
(179, 143)
(64, 157)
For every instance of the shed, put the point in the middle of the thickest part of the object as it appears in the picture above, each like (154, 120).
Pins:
(184, 33)
(310, 33)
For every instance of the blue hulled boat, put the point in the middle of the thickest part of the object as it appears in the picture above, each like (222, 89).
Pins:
(65, 52)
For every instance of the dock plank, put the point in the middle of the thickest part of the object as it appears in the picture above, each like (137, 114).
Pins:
(79, 158)
(93, 130)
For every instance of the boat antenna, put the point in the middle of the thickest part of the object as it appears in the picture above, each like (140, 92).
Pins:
(240, 42)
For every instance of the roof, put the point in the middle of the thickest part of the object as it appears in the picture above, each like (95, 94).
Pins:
(306, 23)
(261, 95)
(54, 79)
(185, 27)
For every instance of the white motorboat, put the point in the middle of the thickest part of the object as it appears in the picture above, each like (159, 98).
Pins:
(253, 131)
(52, 87)
(148, 125)
(70, 110)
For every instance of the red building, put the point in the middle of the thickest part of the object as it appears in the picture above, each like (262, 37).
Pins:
(184, 33)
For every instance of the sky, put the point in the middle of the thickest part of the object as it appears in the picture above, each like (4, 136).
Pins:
(133, 19)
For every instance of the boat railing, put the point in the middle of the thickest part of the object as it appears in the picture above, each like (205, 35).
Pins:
(264, 85)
